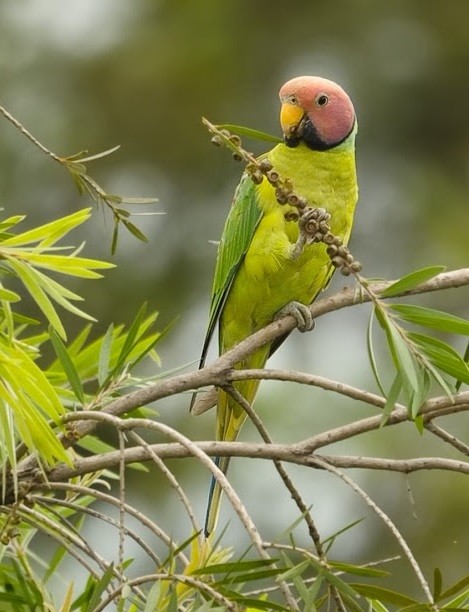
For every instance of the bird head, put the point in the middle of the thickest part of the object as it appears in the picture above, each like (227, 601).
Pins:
(315, 111)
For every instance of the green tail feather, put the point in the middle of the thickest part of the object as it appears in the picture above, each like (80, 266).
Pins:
(214, 497)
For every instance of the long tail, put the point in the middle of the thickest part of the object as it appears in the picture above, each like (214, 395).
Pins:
(230, 419)
(214, 497)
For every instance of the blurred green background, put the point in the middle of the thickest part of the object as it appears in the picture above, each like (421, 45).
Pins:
(89, 75)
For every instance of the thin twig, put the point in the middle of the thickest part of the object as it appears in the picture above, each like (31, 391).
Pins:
(130, 510)
(182, 578)
(170, 477)
(101, 516)
(236, 395)
(447, 437)
(386, 520)
(121, 437)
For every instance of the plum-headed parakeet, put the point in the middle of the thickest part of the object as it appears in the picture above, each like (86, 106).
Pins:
(256, 275)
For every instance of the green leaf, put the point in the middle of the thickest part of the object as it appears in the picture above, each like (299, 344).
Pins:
(418, 607)
(412, 280)
(126, 200)
(151, 603)
(78, 342)
(371, 354)
(249, 132)
(443, 356)
(49, 233)
(133, 229)
(455, 588)
(357, 569)
(343, 587)
(68, 264)
(9, 296)
(10, 222)
(253, 575)
(377, 606)
(434, 319)
(235, 566)
(329, 541)
(377, 592)
(96, 156)
(391, 399)
(28, 277)
(100, 587)
(466, 360)
(401, 354)
(7, 445)
(437, 584)
(95, 445)
(296, 570)
(105, 355)
(351, 604)
(132, 335)
(115, 236)
(68, 365)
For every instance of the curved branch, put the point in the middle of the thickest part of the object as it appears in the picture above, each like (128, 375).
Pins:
(216, 373)
(220, 372)
(300, 453)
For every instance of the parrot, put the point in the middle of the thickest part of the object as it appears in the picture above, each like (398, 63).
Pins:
(257, 278)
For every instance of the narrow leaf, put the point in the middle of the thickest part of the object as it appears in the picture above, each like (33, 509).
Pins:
(115, 236)
(376, 592)
(100, 587)
(126, 200)
(443, 356)
(371, 354)
(133, 229)
(437, 584)
(67, 364)
(434, 319)
(410, 281)
(391, 399)
(358, 569)
(28, 277)
(403, 359)
(105, 355)
(455, 588)
(55, 229)
(99, 155)
(235, 566)
(131, 337)
(249, 132)
(9, 296)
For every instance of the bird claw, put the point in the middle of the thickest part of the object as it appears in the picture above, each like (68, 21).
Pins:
(302, 314)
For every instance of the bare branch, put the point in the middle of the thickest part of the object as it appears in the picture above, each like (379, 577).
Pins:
(447, 437)
(313, 532)
(300, 452)
(217, 372)
(387, 521)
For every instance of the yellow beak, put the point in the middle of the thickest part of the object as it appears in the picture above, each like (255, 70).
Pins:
(290, 117)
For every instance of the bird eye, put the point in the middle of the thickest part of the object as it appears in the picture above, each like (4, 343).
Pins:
(293, 100)
(322, 99)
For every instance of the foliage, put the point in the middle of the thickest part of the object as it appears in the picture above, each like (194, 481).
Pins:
(50, 407)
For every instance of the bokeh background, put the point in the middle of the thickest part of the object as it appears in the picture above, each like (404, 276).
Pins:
(89, 75)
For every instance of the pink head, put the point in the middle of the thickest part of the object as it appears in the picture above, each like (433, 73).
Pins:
(316, 111)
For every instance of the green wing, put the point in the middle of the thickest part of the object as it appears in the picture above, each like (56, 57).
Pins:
(239, 229)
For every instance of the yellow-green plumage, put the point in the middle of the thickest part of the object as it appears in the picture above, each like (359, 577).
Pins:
(256, 275)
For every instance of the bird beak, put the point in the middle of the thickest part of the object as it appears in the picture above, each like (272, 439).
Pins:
(290, 118)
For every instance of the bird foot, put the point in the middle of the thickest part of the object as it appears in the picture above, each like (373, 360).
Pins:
(302, 314)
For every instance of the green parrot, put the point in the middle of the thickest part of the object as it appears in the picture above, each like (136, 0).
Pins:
(256, 276)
